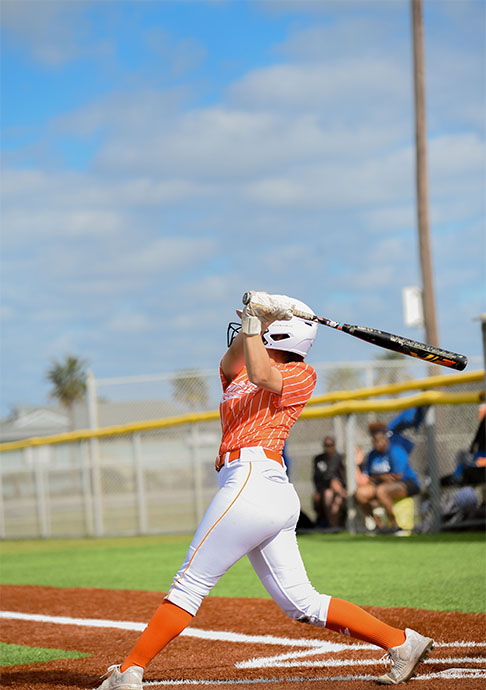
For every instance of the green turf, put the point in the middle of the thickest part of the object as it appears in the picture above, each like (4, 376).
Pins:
(444, 572)
(16, 654)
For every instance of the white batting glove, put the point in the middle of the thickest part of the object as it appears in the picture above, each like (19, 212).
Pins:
(270, 308)
(251, 324)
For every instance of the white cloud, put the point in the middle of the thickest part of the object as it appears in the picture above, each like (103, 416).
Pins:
(165, 255)
(75, 222)
(213, 288)
(363, 183)
(6, 312)
(390, 217)
(455, 155)
(212, 143)
(124, 113)
(180, 55)
(54, 31)
(62, 343)
(346, 34)
(65, 189)
(130, 322)
(298, 179)
(336, 88)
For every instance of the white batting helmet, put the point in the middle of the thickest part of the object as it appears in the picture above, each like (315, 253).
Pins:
(296, 335)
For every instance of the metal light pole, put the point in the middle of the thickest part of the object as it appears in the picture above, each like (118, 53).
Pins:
(430, 319)
(421, 175)
(482, 320)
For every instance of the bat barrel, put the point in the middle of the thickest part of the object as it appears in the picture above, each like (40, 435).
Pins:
(405, 346)
(389, 341)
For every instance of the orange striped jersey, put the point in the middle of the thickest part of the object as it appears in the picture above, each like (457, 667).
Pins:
(253, 416)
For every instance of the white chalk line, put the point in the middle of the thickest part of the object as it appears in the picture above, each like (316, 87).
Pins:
(448, 674)
(219, 635)
(314, 646)
(279, 659)
(353, 662)
(288, 660)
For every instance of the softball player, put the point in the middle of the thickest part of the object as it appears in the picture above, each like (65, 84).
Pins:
(266, 384)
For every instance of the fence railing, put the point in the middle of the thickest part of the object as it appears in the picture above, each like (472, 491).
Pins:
(158, 475)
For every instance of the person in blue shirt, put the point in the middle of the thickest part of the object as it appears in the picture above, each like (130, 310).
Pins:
(387, 471)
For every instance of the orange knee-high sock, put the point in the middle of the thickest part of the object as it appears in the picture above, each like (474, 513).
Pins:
(349, 619)
(167, 622)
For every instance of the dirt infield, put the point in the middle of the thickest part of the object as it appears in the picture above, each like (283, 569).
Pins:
(244, 643)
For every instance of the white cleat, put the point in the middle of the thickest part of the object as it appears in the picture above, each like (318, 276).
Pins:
(405, 658)
(131, 679)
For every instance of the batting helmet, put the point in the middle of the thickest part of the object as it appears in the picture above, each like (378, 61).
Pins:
(295, 335)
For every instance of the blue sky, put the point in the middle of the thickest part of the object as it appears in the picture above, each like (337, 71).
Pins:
(160, 158)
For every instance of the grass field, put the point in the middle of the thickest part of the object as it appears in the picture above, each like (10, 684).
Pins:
(445, 572)
(14, 654)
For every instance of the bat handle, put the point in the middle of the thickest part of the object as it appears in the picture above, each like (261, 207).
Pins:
(296, 312)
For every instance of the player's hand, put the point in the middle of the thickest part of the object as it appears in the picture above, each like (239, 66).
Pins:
(270, 308)
(250, 323)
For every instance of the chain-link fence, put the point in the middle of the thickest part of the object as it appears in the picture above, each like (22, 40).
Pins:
(136, 398)
(452, 429)
(149, 479)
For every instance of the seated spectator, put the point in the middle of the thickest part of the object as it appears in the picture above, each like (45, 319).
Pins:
(471, 464)
(359, 461)
(386, 473)
(478, 444)
(329, 485)
(456, 508)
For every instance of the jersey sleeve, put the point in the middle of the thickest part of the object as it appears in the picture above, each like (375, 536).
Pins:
(399, 459)
(298, 383)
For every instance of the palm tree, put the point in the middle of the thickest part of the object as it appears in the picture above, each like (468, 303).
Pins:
(68, 379)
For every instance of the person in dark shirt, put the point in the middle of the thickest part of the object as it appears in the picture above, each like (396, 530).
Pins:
(471, 464)
(478, 444)
(329, 485)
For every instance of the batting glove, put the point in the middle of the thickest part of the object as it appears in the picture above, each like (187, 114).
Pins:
(251, 324)
(270, 308)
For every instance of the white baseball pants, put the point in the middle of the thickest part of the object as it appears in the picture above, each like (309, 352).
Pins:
(254, 513)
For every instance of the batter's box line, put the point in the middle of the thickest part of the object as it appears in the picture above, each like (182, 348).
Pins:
(447, 674)
(336, 663)
(275, 661)
(310, 645)
(217, 635)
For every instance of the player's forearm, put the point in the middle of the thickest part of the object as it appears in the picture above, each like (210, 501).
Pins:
(259, 367)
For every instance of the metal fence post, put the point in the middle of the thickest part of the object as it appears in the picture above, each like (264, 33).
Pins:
(350, 434)
(83, 450)
(140, 484)
(338, 430)
(94, 454)
(196, 462)
(433, 469)
(3, 532)
(41, 491)
(92, 402)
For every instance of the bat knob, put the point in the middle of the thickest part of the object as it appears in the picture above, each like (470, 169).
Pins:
(246, 298)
